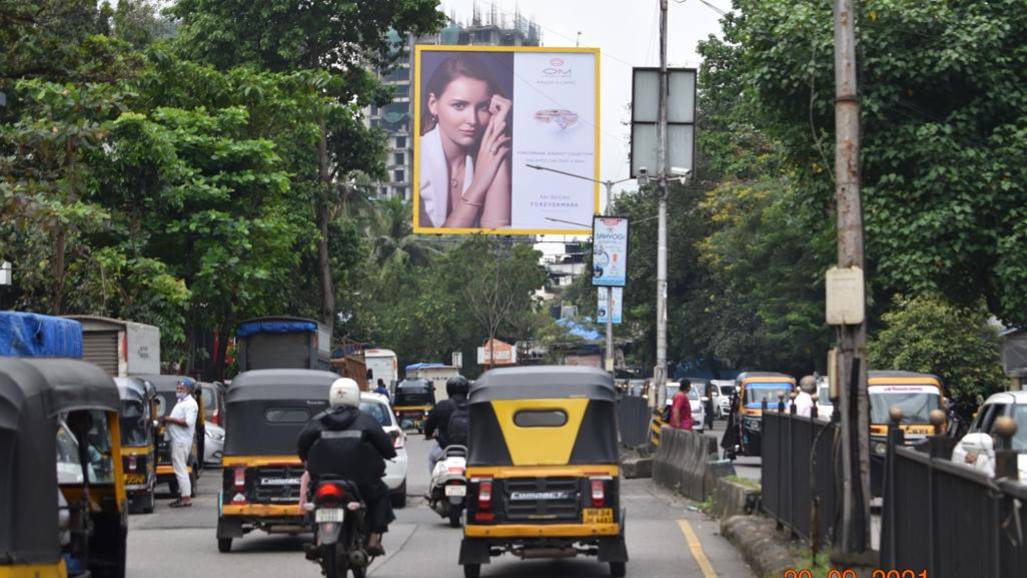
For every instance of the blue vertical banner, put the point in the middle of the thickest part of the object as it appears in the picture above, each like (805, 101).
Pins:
(616, 307)
(609, 251)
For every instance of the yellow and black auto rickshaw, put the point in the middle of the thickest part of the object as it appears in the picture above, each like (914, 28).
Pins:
(543, 475)
(68, 520)
(265, 411)
(166, 400)
(138, 441)
(414, 400)
(744, 435)
(916, 394)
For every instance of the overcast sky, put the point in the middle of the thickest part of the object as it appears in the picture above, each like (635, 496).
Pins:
(627, 34)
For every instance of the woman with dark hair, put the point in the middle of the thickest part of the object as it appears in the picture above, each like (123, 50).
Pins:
(465, 148)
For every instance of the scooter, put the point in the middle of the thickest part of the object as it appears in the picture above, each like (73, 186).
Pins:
(340, 536)
(448, 489)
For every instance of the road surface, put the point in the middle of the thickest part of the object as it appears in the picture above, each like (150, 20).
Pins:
(666, 539)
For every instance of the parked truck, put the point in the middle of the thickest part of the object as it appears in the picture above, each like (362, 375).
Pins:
(121, 348)
(282, 342)
(384, 365)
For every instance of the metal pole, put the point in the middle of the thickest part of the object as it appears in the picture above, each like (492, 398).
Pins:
(855, 530)
(610, 361)
(660, 371)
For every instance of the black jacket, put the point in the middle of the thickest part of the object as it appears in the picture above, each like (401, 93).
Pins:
(438, 419)
(360, 458)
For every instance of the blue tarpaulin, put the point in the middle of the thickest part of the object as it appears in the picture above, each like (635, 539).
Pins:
(578, 330)
(254, 327)
(416, 366)
(33, 335)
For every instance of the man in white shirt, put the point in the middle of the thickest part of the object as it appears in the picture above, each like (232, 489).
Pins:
(804, 399)
(180, 428)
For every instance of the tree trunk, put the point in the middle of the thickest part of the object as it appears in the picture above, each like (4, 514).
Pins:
(60, 244)
(323, 262)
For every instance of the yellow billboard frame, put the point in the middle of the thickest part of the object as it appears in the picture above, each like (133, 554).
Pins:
(416, 129)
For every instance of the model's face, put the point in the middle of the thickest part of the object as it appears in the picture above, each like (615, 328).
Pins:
(462, 109)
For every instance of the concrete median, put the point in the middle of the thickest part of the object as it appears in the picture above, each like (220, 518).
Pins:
(687, 462)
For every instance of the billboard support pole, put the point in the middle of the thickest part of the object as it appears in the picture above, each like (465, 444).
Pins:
(660, 370)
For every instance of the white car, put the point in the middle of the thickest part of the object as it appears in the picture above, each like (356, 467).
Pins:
(214, 445)
(395, 470)
(825, 407)
(727, 389)
(977, 448)
(698, 412)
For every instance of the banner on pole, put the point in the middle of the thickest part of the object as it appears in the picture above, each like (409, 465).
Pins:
(609, 251)
(616, 308)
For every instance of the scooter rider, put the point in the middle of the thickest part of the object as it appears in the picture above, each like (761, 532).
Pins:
(437, 423)
(358, 459)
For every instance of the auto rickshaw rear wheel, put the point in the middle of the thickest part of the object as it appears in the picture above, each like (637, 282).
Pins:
(224, 545)
(472, 570)
(618, 569)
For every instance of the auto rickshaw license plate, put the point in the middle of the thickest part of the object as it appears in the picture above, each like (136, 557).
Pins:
(597, 515)
(329, 515)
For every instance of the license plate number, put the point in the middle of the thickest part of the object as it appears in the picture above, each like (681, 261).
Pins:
(329, 515)
(456, 491)
(597, 515)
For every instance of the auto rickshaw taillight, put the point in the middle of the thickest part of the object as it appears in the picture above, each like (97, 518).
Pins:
(485, 495)
(598, 493)
(240, 479)
(132, 463)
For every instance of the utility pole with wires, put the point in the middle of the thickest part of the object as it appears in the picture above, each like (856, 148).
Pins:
(849, 313)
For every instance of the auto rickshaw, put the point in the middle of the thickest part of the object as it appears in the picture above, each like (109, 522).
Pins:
(266, 410)
(68, 520)
(415, 399)
(138, 441)
(166, 400)
(743, 435)
(542, 469)
(916, 394)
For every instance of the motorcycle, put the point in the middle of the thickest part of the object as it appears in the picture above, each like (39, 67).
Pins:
(448, 489)
(340, 536)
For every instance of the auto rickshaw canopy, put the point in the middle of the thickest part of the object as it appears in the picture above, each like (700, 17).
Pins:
(267, 408)
(135, 389)
(767, 383)
(33, 395)
(543, 415)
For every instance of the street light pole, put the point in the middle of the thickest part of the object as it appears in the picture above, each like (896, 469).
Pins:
(660, 370)
(609, 290)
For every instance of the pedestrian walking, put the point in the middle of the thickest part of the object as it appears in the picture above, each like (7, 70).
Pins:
(681, 408)
(804, 399)
(180, 427)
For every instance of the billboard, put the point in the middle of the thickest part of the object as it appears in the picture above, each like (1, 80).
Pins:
(486, 117)
(616, 308)
(609, 251)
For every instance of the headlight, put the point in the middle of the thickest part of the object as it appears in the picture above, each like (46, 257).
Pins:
(216, 436)
(880, 448)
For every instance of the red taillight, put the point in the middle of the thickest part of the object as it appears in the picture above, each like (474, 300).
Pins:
(330, 493)
(132, 463)
(598, 494)
(485, 495)
(240, 479)
(216, 418)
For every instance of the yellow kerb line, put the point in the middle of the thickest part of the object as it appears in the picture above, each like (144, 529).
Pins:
(696, 547)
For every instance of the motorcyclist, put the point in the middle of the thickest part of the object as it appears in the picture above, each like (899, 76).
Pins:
(437, 424)
(358, 459)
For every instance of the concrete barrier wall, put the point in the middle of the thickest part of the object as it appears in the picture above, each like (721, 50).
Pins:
(687, 462)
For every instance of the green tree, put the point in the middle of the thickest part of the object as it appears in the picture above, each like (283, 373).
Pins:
(930, 334)
(943, 123)
(344, 40)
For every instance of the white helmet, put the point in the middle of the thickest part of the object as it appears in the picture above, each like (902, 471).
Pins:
(344, 391)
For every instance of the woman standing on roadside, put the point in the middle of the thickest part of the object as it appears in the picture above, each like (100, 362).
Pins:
(465, 148)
